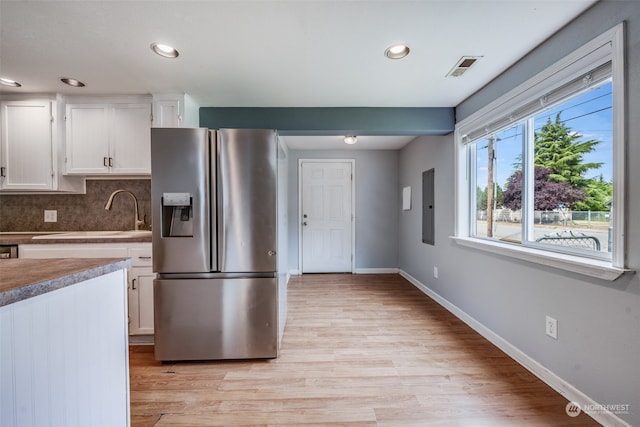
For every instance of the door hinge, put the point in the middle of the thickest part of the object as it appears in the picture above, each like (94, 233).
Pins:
(51, 119)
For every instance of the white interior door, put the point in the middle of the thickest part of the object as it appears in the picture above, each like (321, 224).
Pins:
(326, 216)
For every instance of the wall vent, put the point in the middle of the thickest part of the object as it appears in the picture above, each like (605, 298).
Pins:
(462, 66)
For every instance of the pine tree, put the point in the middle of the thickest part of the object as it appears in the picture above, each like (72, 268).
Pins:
(558, 159)
(560, 150)
(599, 194)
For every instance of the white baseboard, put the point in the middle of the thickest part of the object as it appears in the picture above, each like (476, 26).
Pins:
(602, 416)
(296, 272)
(377, 271)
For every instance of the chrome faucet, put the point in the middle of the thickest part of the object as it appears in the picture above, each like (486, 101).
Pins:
(137, 223)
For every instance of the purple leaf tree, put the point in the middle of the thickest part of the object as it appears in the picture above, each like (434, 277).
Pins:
(548, 195)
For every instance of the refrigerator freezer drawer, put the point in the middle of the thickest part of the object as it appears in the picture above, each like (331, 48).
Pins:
(211, 319)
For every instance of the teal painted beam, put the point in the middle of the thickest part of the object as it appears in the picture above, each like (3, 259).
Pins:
(333, 121)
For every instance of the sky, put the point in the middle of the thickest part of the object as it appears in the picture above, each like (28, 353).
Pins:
(589, 114)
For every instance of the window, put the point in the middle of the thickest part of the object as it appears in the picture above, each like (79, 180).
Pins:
(540, 171)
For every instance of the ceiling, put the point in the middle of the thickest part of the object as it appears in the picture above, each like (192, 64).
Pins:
(369, 142)
(270, 53)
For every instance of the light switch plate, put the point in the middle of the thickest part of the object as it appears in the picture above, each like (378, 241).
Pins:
(50, 216)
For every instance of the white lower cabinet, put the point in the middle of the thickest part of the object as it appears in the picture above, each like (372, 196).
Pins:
(141, 301)
(140, 276)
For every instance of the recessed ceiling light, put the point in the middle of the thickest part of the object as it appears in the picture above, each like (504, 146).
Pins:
(72, 82)
(164, 50)
(397, 51)
(9, 82)
(352, 139)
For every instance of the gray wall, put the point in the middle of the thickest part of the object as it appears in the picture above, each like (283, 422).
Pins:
(376, 205)
(598, 346)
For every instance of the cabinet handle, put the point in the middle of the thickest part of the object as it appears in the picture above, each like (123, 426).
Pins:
(144, 257)
(2, 172)
(133, 284)
(105, 162)
(110, 162)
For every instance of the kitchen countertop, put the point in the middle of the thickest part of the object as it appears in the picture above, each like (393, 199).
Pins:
(9, 238)
(21, 279)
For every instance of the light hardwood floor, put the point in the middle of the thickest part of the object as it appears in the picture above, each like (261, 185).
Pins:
(358, 350)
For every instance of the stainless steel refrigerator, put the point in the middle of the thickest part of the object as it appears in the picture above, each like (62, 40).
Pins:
(214, 243)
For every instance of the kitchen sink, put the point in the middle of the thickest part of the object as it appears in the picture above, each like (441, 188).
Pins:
(116, 234)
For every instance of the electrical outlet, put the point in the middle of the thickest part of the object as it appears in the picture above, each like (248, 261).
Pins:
(50, 216)
(435, 272)
(551, 328)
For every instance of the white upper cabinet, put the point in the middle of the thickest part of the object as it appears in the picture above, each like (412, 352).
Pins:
(167, 114)
(174, 111)
(87, 138)
(131, 143)
(27, 145)
(108, 138)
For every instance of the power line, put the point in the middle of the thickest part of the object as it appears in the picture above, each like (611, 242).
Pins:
(563, 121)
(586, 114)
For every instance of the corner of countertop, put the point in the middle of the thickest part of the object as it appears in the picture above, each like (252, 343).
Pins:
(51, 274)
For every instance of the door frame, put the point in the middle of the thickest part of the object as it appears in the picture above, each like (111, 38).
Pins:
(352, 162)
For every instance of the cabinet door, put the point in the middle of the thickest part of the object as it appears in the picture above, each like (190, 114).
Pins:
(141, 301)
(87, 139)
(131, 139)
(167, 114)
(26, 154)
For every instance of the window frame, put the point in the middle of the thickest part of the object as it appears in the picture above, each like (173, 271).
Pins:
(609, 46)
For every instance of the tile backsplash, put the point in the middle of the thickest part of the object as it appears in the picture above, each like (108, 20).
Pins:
(78, 212)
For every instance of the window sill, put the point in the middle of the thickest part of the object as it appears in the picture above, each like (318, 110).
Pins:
(589, 267)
